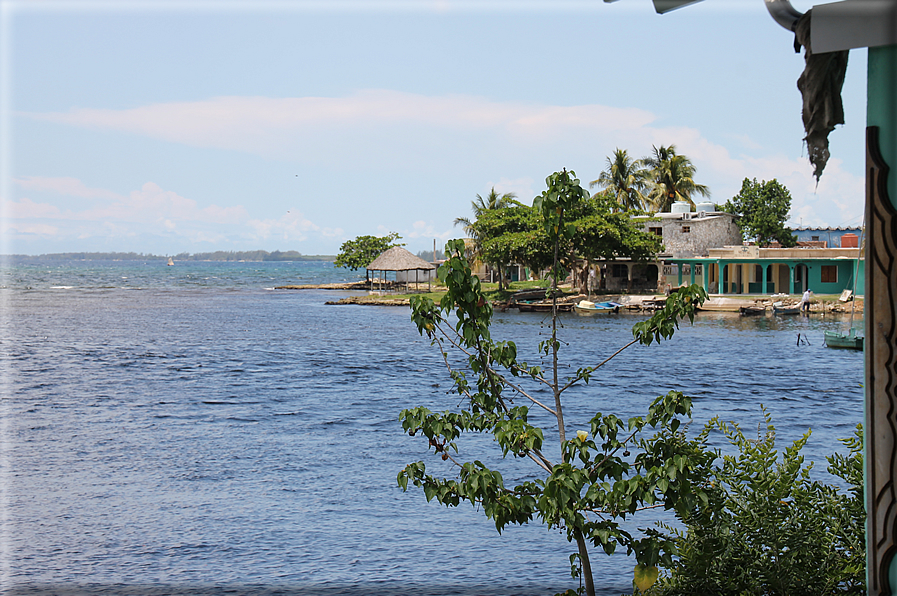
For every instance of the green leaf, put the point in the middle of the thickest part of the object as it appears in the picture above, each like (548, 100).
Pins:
(645, 577)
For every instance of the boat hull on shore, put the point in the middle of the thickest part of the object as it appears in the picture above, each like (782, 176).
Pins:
(785, 310)
(540, 306)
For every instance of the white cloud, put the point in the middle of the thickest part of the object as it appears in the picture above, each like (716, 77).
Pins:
(148, 211)
(64, 186)
(392, 127)
(837, 201)
(11, 229)
(149, 204)
(305, 126)
(292, 226)
(28, 209)
(426, 230)
(430, 137)
(746, 141)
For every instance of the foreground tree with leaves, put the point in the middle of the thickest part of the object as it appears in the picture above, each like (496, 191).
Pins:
(592, 484)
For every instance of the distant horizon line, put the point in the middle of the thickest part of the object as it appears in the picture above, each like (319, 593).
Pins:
(131, 255)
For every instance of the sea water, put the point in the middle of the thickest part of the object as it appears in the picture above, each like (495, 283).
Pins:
(192, 430)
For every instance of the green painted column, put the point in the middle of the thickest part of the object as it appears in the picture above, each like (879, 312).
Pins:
(679, 267)
(722, 267)
(881, 101)
(791, 279)
(880, 104)
(692, 269)
(765, 271)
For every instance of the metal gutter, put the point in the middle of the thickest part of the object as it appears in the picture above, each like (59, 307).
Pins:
(783, 13)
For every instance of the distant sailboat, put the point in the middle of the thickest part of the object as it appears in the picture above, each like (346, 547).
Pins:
(170, 262)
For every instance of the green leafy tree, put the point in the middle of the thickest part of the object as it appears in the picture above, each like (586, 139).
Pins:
(513, 234)
(360, 252)
(672, 179)
(604, 233)
(626, 179)
(592, 484)
(761, 209)
(480, 206)
(601, 232)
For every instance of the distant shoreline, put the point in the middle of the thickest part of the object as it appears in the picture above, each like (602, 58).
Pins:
(255, 256)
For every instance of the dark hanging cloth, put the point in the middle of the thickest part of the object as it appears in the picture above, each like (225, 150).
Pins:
(820, 86)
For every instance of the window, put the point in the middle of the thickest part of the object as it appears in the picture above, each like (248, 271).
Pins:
(620, 271)
(829, 274)
(814, 238)
(686, 229)
(656, 231)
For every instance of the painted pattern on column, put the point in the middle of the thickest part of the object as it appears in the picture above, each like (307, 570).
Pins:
(881, 367)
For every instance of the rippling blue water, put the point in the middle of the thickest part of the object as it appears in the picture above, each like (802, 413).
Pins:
(189, 429)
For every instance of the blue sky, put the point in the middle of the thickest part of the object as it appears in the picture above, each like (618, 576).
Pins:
(168, 127)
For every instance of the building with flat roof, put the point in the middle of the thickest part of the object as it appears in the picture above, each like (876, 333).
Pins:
(754, 270)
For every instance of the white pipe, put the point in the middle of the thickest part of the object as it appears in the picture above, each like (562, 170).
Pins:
(783, 13)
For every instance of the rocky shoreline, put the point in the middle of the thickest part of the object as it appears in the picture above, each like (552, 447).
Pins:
(373, 300)
(716, 303)
(355, 285)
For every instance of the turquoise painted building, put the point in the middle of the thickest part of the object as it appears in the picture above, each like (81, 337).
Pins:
(767, 271)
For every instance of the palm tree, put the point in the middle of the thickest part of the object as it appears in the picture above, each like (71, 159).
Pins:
(672, 179)
(492, 201)
(626, 179)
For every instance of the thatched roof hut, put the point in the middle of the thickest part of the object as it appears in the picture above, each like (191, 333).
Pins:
(398, 259)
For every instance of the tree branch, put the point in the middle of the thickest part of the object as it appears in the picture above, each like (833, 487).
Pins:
(592, 369)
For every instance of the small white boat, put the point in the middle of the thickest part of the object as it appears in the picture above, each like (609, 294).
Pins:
(170, 262)
(588, 307)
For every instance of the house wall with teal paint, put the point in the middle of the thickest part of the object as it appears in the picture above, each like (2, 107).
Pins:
(767, 271)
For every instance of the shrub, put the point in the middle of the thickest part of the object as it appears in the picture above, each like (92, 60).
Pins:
(768, 529)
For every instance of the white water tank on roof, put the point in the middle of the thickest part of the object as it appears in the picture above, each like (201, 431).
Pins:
(680, 207)
(705, 207)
